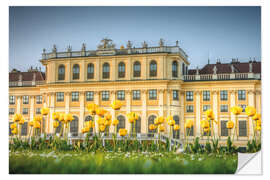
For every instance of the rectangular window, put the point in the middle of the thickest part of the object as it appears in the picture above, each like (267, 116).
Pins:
(11, 111)
(39, 99)
(153, 94)
(11, 99)
(206, 95)
(105, 95)
(38, 111)
(136, 94)
(25, 99)
(121, 95)
(223, 95)
(223, 108)
(241, 95)
(242, 128)
(206, 107)
(74, 96)
(243, 106)
(89, 96)
(59, 96)
(24, 129)
(189, 108)
(224, 130)
(189, 131)
(25, 110)
(189, 96)
(175, 95)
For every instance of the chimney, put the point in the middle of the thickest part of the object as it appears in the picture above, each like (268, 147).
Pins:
(250, 67)
(215, 69)
(232, 68)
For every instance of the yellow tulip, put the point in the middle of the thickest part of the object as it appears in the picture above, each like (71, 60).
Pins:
(101, 121)
(171, 122)
(258, 128)
(68, 118)
(31, 123)
(37, 118)
(122, 132)
(83, 130)
(92, 108)
(176, 127)
(108, 122)
(156, 122)
(131, 117)
(152, 127)
(116, 105)
(115, 122)
(17, 117)
(209, 113)
(206, 129)
(236, 110)
(100, 112)
(44, 111)
(108, 116)
(102, 128)
(205, 124)
(88, 124)
(189, 123)
(161, 128)
(55, 115)
(14, 131)
(21, 122)
(160, 119)
(250, 111)
(62, 117)
(87, 128)
(36, 124)
(256, 117)
(229, 124)
(13, 126)
(169, 118)
(258, 122)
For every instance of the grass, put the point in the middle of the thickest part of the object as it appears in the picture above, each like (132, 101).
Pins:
(71, 162)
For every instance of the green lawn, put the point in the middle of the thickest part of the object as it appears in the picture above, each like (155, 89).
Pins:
(50, 162)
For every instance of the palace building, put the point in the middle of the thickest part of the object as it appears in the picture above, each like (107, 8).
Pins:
(150, 81)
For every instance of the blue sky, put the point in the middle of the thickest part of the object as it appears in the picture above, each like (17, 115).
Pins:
(203, 32)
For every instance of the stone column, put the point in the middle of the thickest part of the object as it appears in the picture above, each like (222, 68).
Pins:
(168, 94)
(83, 71)
(97, 68)
(129, 69)
(144, 111)
(197, 124)
(111, 110)
(67, 97)
(161, 102)
(82, 108)
(32, 110)
(251, 102)
(232, 94)
(182, 112)
(68, 72)
(215, 111)
(52, 110)
(19, 100)
(258, 101)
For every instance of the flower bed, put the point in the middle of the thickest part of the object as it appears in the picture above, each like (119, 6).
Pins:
(53, 162)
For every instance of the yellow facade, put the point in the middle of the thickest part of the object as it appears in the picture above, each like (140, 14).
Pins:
(164, 84)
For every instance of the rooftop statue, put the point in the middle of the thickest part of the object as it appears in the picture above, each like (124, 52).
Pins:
(106, 44)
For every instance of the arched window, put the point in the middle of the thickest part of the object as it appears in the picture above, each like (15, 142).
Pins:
(121, 123)
(137, 69)
(61, 72)
(106, 71)
(76, 71)
(151, 120)
(58, 129)
(89, 118)
(121, 70)
(137, 126)
(153, 68)
(90, 71)
(174, 69)
(176, 135)
(74, 126)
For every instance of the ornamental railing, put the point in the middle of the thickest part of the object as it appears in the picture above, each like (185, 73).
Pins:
(232, 76)
(25, 83)
(110, 52)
